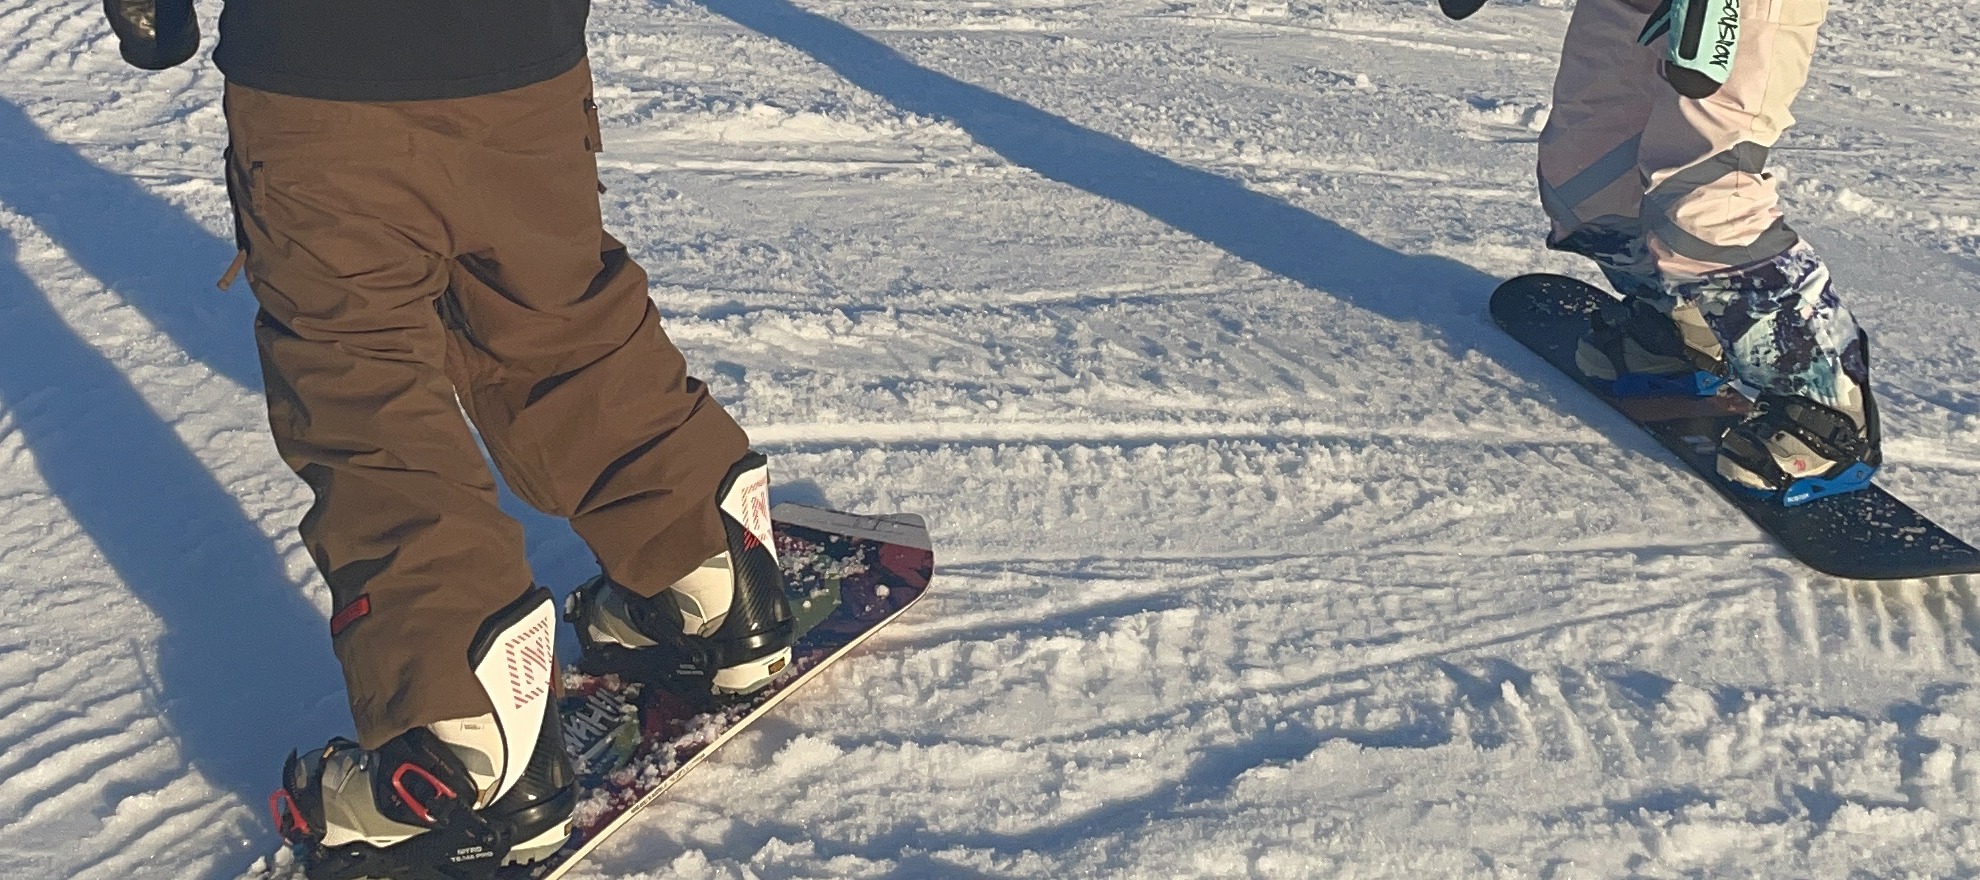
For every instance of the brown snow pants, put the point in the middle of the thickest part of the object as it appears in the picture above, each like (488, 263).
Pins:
(416, 259)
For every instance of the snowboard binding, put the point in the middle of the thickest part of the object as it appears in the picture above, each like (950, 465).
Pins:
(724, 629)
(1793, 450)
(1634, 349)
(452, 800)
(438, 836)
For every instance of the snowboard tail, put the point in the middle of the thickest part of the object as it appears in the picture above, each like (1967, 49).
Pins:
(1867, 534)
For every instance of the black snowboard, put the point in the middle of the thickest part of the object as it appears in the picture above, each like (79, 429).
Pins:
(1864, 535)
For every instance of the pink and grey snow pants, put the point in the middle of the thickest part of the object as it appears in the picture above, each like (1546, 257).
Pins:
(1670, 196)
(1625, 156)
(414, 260)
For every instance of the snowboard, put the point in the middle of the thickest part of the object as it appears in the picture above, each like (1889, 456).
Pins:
(848, 576)
(1862, 535)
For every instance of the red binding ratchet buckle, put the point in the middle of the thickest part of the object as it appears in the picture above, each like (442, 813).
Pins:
(399, 787)
(289, 821)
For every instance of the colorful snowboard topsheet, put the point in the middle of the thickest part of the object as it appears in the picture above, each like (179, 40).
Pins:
(1864, 535)
(848, 576)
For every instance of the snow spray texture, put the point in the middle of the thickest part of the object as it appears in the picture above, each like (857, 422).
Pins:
(1704, 39)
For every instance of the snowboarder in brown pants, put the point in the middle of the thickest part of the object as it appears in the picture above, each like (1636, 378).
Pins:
(416, 203)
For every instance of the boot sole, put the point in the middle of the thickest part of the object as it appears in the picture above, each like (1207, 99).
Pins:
(750, 677)
(541, 847)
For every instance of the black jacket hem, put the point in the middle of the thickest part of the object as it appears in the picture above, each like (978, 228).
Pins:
(343, 89)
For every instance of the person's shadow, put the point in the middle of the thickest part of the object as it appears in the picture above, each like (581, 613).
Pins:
(1435, 292)
(243, 668)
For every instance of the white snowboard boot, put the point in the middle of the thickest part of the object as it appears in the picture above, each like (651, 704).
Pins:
(727, 624)
(454, 800)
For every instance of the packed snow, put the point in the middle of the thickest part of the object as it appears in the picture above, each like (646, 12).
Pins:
(1261, 552)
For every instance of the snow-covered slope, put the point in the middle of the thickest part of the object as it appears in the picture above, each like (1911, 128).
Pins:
(1263, 553)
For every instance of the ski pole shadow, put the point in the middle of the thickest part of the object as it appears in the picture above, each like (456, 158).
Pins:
(1438, 293)
(241, 670)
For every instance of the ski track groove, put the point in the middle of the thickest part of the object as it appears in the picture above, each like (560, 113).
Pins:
(1170, 590)
(1961, 595)
(77, 32)
(113, 762)
(1541, 713)
(1944, 608)
(15, 699)
(685, 321)
(47, 678)
(87, 736)
(1779, 639)
(121, 855)
(1403, 656)
(1627, 750)
(1577, 729)
(43, 25)
(1891, 641)
(1927, 637)
(1807, 617)
(1386, 42)
(817, 437)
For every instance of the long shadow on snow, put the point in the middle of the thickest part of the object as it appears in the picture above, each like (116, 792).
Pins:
(1259, 229)
(155, 257)
(242, 663)
(237, 665)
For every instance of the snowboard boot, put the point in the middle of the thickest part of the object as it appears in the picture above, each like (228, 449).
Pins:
(724, 629)
(1635, 349)
(453, 800)
(1800, 449)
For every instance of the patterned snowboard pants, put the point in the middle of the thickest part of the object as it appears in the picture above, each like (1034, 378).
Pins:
(1670, 196)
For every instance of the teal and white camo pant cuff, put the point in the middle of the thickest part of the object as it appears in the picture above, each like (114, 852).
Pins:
(1784, 329)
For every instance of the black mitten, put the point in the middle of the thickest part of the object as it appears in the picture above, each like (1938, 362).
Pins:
(1460, 10)
(154, 34)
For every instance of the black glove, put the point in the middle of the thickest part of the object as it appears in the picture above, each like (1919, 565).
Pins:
(154, 34)
(1459, 10)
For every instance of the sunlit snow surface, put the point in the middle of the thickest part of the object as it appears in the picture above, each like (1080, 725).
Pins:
(1261, 552)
